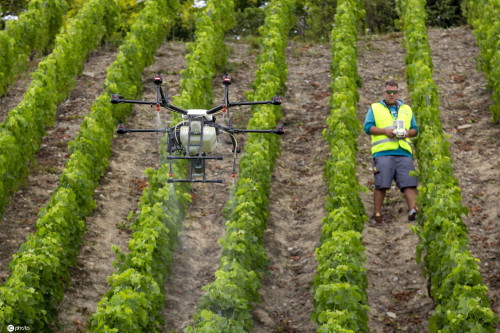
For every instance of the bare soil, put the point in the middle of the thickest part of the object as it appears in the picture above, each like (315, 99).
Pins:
(397, 292)
(297, 195)
(16, 90)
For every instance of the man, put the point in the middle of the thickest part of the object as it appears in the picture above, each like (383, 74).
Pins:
(392, 155)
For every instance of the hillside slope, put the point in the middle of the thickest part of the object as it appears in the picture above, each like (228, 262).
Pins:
(397, 290)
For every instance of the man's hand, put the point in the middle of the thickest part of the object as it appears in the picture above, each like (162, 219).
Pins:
(389, 132)
(411, 133)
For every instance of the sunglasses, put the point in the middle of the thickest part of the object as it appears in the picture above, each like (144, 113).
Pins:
(388, 92)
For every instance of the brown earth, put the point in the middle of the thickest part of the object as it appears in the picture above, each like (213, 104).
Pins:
(15, 93)
(297, 195)
(397, 293)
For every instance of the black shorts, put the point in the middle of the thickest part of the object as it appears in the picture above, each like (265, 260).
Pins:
(393, 167)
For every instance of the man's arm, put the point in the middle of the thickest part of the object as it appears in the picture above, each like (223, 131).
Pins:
(411, 133)
(369, 121)
(389, 132)
(382, 131)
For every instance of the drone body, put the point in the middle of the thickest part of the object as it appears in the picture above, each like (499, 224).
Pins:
(198, 131)
(195, 137)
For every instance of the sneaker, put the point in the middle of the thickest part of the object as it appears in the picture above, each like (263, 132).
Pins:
(378, 218)
(412, 214)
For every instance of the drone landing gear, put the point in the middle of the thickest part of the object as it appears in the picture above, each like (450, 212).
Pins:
(191, 136)
(197, 169)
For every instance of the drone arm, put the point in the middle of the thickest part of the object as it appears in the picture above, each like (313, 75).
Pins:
(274, 131)
(161, 97)
(215, 109)
(279, 130)
(253, 103)
(122, 130)
(174, 108)
(275, 101)
(116, 99)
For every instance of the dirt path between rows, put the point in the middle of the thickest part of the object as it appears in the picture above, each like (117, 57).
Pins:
(17, 89)
(397, 290)
(297, 195)
(20, 216)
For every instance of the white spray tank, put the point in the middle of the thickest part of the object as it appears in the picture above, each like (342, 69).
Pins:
(209, 133)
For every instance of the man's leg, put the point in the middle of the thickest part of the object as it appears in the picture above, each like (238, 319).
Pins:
(407, 184)
(378, 200)
(410, 194)
(384, 168)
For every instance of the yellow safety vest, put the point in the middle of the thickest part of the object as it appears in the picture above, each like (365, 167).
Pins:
(384, 119)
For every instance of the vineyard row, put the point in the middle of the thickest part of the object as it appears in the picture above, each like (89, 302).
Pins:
(483, 17)
(340, 283)
(455, 281)
(228, 301)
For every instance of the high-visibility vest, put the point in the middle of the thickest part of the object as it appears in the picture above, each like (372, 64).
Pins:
(384, 119)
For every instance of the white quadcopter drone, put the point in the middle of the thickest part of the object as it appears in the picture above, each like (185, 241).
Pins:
(195, 137)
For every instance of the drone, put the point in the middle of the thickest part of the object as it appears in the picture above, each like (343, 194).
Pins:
(195, 137)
